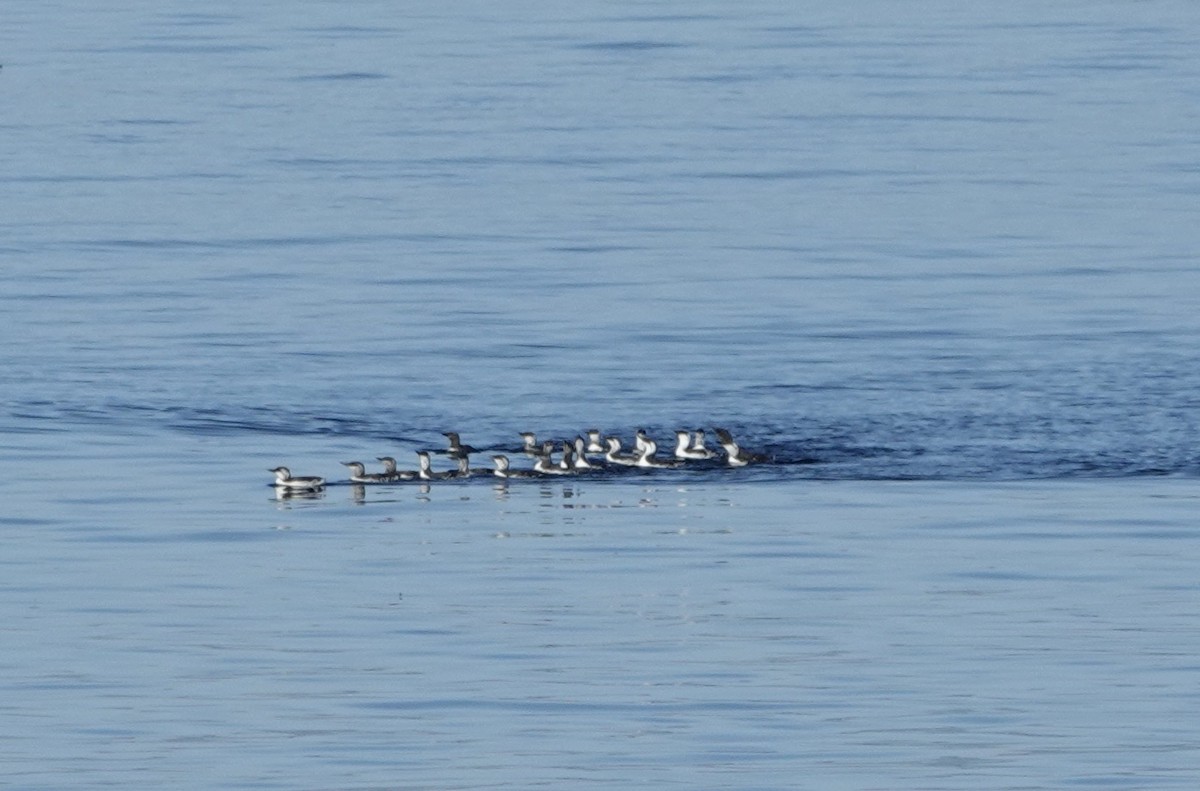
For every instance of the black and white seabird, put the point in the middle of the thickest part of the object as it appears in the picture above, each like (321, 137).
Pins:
(614, 455)
(465, 470)
(736, 456)
(359, 474)
(425, 468)
(544, 462)
(456, 448)
(568, 457)
(389, 469)
(595, 443)
(529, 444)
(684, 449)
(646, 457)
(504, 471)
(299, 483)
(580, 457)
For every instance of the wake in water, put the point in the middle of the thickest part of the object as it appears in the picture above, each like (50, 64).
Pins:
(594, 455)
(807, 435)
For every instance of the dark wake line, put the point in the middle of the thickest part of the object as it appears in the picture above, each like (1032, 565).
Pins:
(884, 448)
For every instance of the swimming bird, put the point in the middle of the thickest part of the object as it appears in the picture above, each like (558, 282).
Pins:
(698, 442)
(466, 471)
(594, 442)
(580, 458)
(568, 457)
(504, 471)
(530, 446)
(425, 468)
(639, 442)
(684, 449)
(614, 455)
(359, 474)
(546, 466)
(736, 456)
(389, 469)
(300, 483)
(646, 457)
(544, 463)
(456, 447)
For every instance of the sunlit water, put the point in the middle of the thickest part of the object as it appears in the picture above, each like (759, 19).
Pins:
(934, 260)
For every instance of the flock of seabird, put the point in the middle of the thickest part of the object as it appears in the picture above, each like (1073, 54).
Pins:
(550, 458)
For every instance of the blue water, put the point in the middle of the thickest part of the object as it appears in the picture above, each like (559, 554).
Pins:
(935, 260)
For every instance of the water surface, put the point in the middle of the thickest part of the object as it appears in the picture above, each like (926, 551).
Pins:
(936, 261)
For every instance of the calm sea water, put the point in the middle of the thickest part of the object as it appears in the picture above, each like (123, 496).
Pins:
(936, 260)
